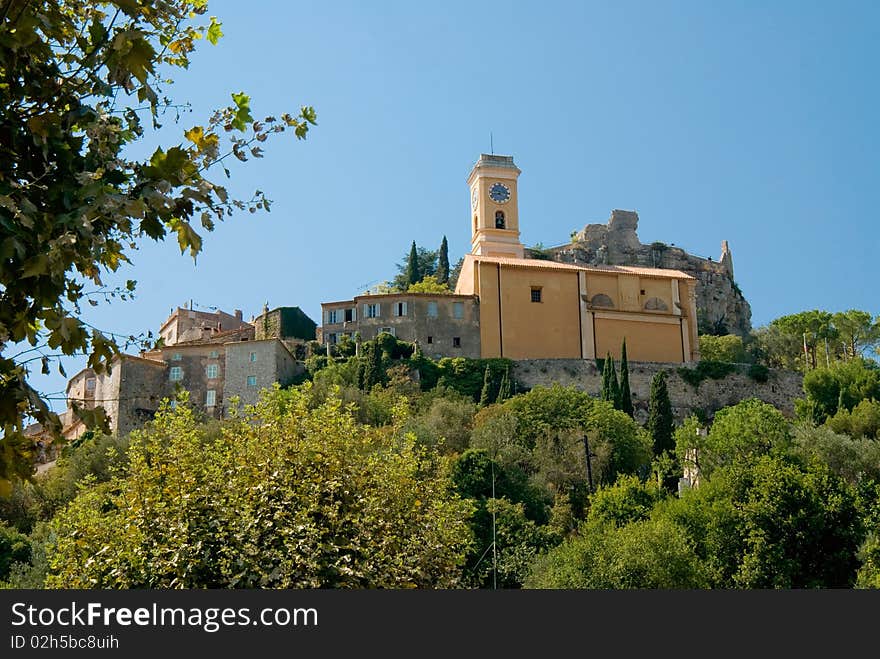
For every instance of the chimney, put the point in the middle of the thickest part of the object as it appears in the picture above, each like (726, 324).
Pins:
(238, 315)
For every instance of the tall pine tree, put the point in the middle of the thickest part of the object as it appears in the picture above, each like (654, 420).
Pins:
(660, 422)
(413, 275)
(626, 403)
(443, 263)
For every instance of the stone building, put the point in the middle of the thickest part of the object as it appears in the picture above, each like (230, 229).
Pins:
(224, 360)
(443, 325)
(186, 325)
(529, 308)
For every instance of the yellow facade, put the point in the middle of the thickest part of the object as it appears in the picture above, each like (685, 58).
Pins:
(536, 309)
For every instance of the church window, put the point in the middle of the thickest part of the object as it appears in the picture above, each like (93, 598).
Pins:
(536, 294)
(656, 304)
(458, 310)
(499, 220)
(456, 342)
(601, 300)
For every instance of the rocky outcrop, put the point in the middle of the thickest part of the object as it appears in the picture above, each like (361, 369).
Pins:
(721, 307)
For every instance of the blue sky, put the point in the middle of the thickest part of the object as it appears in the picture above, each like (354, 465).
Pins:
(753, 122)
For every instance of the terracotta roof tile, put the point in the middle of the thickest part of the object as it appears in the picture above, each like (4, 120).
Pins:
(661, 273)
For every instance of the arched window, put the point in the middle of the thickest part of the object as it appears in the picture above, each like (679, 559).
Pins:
(475, 223)
(602, 300)
(499, 220)
(655, 304)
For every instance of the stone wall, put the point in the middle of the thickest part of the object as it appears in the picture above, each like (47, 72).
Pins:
(721, 306)
(266, 362)
(780, 390)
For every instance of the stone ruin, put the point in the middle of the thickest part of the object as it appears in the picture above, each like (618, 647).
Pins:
(721, 307)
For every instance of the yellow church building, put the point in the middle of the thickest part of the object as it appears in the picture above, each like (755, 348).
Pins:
(538, 309)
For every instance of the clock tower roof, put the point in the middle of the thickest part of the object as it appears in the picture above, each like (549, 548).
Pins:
(491, 161)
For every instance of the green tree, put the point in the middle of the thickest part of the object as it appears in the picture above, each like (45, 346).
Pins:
(812, 328)
(627, 500)
(852, 459)
(426, 264)
(428, 284)
(413, 274)
(856, 332)
(443, 263)
(848, 383)
(77, 81)
(504, 387)
(749, 522)
(728, 348)
(289, 496)
(14, 548)
(486, 392)
(626, 404)
(375, 371)
(610, 387)
(661, 424)
(743, 433)
(454, 273)
(643, 554)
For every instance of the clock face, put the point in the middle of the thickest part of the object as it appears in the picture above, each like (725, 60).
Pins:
(474, 198)
(499, 193)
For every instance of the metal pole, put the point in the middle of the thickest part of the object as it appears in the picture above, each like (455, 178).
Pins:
(494, 546)
(589, 462)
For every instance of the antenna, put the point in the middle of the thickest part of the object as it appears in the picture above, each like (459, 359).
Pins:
(491, 144)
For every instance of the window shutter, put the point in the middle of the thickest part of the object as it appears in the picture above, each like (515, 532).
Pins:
(365, 311)
(354, 313)
(404, 309)
(378, 310)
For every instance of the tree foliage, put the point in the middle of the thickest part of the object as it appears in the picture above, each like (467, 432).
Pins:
(76, 81)
(661, 423)
(626, 404)
(289, 497)
(443, 263)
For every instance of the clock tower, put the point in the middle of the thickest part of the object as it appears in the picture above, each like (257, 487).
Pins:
(494, 217)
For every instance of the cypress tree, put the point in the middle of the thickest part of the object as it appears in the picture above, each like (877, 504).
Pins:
(486, 393)
(610, 387)
(504, 387)
(626, 403)
(443, 263)
(413, 276)
(374, 374)
(361, 374)
(660, 422)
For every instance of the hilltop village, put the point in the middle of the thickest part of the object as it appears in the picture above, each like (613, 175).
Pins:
(575, 302)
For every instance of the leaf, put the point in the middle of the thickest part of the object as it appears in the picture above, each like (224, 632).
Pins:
(214, 31)
(243, 111)
(38, 265)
